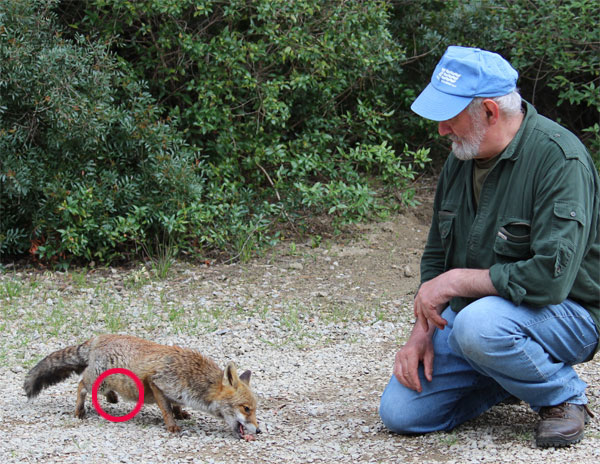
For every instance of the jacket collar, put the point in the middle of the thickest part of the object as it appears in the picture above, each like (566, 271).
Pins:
(512, 151)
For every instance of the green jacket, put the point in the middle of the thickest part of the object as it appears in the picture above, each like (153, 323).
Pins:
(536, 228)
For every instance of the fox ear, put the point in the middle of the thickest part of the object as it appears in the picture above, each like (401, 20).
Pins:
(230, 376)
(245, 377)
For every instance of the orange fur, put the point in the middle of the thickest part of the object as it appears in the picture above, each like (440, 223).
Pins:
(172, 377)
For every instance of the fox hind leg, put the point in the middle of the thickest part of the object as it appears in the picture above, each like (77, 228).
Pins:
(111, 397)
(80, 405)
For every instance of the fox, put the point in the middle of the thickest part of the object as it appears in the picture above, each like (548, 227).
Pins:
(171, 376)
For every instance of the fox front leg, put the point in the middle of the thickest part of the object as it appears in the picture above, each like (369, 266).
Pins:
(165, 408)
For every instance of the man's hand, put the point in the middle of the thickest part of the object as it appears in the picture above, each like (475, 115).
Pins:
(433, 296)
(419, 348)
(431, 300)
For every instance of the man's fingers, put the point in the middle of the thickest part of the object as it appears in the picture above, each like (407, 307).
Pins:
(398, 373)
(421, 318)
(428, 365)
(414, 381)
(438, 321)
(406, 373)
(425, 316)
(410, 366)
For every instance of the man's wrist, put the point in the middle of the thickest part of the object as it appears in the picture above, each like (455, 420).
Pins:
(452, 283)
(469, 283)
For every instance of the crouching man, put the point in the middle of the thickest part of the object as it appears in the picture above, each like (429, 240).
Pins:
(510, 278)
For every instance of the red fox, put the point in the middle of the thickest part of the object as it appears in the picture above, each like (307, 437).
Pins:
(171, 376)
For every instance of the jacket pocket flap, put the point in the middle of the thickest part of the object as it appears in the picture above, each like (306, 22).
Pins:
(572, 211)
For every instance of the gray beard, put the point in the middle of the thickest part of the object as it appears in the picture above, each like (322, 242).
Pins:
(469, 146)
(464, 153)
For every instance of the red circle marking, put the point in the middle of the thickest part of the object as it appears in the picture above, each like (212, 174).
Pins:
(138, 383)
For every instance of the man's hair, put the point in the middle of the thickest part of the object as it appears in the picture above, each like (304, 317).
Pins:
(509, 104)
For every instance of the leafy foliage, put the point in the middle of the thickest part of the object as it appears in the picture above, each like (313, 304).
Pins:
(250, 109)
(275, 94)
(173, 127)
(87, 167)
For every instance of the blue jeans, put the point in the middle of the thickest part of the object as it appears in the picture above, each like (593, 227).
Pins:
(488, 351)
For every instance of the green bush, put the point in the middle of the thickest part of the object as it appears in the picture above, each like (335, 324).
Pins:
(87, 168)
(279, 96)
(196, 124)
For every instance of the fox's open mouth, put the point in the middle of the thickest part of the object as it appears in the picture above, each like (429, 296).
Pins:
(243, 434)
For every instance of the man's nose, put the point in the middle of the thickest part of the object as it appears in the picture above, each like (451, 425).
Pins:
(444, 128)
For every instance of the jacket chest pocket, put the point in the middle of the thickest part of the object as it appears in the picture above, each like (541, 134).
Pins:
(513, 240)
(446, 227)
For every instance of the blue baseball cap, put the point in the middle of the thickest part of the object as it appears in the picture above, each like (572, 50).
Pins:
(462, 74)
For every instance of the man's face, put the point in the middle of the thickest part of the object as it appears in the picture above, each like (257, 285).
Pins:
(466, 132)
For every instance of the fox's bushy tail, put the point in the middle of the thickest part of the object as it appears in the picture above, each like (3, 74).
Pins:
(56, 367)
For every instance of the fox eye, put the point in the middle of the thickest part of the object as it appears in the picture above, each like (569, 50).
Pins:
(246, 409)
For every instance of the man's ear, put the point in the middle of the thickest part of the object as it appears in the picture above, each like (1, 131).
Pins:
(492, 111)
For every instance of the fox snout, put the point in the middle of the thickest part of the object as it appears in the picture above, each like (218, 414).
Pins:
(250, 425)
(247, 430)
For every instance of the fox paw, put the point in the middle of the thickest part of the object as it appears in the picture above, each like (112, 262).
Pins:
(173, 428)
(181, 414)
(80, 413)
(112, 397)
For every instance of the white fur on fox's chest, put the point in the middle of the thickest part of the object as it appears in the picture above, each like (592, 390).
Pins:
(186, 398)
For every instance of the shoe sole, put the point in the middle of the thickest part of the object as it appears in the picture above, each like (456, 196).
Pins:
(559, 442)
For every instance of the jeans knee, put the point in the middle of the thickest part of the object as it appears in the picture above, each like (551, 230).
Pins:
(476, 334)
(404, 411)
(392, 414)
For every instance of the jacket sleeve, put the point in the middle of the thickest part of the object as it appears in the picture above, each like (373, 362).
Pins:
(560, 237)
(433, 259)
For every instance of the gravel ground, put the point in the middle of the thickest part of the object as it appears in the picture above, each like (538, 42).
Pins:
(318, 327)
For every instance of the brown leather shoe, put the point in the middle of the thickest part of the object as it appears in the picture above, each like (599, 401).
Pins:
(561, 425)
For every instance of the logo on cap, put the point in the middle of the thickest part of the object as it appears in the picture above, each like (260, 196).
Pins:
(448, 77)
